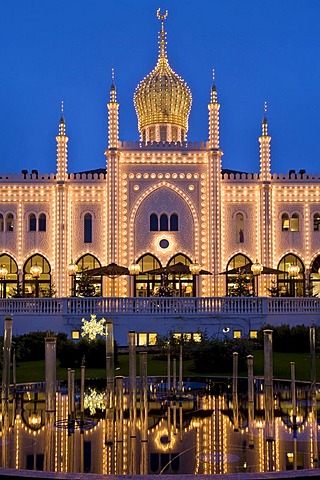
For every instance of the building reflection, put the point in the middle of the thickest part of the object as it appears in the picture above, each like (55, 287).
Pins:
(188, 433)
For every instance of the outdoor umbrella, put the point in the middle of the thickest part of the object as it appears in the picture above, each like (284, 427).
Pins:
(176, 269)
(112, 270)
(247, 269)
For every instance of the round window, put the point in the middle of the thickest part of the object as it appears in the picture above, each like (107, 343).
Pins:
(164, 243)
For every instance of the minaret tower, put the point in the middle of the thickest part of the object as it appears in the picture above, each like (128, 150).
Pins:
(265, 139)
(113, 182)
(266, 233)
(62, 151)
(59, 237)
(214, 108)
(214, 191)
(113, 117)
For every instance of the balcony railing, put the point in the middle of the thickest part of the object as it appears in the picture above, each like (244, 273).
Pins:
(160, 306)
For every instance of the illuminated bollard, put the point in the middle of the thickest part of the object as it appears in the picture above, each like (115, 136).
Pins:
(268, 397)
(7, 341)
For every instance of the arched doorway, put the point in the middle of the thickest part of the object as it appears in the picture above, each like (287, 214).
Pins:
(9, 277)
(183, 285)
(145, 285)
(314, 287)
(37, 277)
(235, 265)
(88, 262)
(292, 282)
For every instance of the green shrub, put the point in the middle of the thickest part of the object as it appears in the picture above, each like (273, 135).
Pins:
(288, 339)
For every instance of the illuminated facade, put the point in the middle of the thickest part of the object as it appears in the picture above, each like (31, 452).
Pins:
(160, 201)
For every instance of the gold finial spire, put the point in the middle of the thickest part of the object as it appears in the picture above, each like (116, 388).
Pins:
(112, 75)
(162, 36)
(265, 108)
(264, 119)
(62, 120)
(213, 88)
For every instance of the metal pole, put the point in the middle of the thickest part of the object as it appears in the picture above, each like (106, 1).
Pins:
(268, 397)
(313, 390)
(180, 370)
(144, 413)
(294, 412)
(168, 372)
(235, 393)
(82, 389)
(7, 341)
(119, 425)
(250, 399)
(109, 440)
(174, 375)
(133, 402)
(50, 394)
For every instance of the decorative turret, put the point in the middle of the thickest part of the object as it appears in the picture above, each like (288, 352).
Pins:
(162, 100)
(113, 118)
(265, 139)
(62, 151)
(213, 108)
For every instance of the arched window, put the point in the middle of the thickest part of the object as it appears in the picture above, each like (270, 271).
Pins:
(1, 223)
(294, 224)
(37, 286)
(239, 228)
(154, 227)
(174, 222)
(314, 286)
(42, 222)
(144, 284)
(32, 222)
(182, 283)
(239, 266)
(316, 222)
(9, 222)
(291, 285)
(87, 228)
(164, 222)
(9, 282)
(87, 262)
(285, 222)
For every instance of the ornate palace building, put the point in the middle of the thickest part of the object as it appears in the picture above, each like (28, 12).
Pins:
(158, 202)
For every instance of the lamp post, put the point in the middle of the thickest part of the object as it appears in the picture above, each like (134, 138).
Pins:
(36, 271)
(256, 269)
(134, 270)
(72, 271)
(293, 272)
(195, 270)
(3, 274)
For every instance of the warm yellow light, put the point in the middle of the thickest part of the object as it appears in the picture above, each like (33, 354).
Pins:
(36, 271)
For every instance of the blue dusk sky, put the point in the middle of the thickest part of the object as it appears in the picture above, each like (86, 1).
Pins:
(64, 50)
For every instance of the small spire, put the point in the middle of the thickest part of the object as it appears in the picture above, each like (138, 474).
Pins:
(162, 35)
(264, 119)
(213, 88)
(113, 91)
(62, 129)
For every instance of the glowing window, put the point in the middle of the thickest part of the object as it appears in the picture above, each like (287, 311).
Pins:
(253, 334)
(1, 223)
(9, 222)
(294, 224)
(237, 334)
(197, 337)
(142, 339)
(75, 335)
(316, 222)
(285, 222)
(176, 336)
(187, 337)
(152, 338)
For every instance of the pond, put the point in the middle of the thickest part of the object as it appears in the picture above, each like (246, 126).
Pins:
(201, 426)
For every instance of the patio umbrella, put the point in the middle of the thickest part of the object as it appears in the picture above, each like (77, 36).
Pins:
(176, 269)
(112, 270)
(247, 269)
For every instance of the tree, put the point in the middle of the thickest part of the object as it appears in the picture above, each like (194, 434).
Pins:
(274, 290)
(241, 286)
(85, 287)
(17, 291)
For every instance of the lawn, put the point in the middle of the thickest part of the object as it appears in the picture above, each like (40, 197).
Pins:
(35, 371)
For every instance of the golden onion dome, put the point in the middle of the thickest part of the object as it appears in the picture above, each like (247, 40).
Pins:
(162, 97)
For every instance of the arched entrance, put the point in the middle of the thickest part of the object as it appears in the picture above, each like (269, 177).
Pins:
(314, 287)
(292, 282)
(235, 265)
(145, 285)
(88, 262)
(37, 277)
(9, 276)
(183, 285)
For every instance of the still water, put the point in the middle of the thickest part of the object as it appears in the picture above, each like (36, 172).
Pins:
(205, 427)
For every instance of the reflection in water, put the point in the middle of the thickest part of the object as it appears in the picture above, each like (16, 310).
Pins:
(202, 430)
